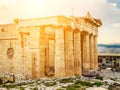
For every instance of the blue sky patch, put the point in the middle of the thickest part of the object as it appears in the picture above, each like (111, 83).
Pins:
(116, 2)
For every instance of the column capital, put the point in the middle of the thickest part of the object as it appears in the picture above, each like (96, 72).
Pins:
(84, 33)
(95, 36)
(76, 30)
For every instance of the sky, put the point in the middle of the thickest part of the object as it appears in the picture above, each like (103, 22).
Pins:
(106, 10)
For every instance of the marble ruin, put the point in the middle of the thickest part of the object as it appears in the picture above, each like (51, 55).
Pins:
(56, 46)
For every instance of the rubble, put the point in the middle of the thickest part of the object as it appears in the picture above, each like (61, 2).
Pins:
(66, 83)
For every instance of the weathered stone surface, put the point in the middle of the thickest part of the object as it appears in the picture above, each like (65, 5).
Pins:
(59, 53)
(77, 54)
(49, 47)
(86, 52)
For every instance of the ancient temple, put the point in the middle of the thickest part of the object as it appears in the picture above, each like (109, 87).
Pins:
(56, 46)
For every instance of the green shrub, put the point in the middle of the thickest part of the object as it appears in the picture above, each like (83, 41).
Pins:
(50, 83)
(22, 88)
(99, 77)
(61, 89)
(71, 88)
(97, 84)
(9, 86)
(84, 83)
(66, 80)
(89, 84)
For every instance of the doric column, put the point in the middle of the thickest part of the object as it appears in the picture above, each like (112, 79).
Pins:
(77, 53)
(95, 52)
(42, 52)
(69, 58)
(92, 54)
(86, 53)
(51, 57)
(59, 53)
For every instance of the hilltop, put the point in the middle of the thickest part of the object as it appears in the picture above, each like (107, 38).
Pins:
(109, 48)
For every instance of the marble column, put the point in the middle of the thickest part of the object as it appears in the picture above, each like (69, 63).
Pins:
(33, 66)
(42, 52)
(69, 58)
(59, 52)
(92, 64)
(95, 52)
(51, 57)
(77, 53)
(85, 51)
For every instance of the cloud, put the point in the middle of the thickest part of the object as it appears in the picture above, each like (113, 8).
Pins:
(116, 25)
(114, 4)
(34, 8)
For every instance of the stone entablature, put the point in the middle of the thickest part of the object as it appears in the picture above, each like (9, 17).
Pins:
(54, 20)
(55, 46)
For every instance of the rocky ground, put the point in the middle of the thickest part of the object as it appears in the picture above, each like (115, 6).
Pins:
(107, 80)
